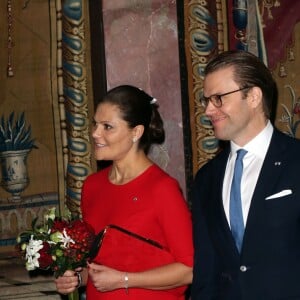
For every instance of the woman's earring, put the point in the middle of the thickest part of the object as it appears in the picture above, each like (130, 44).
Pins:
(134, 139)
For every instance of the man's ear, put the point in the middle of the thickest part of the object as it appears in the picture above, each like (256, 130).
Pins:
(255, 97)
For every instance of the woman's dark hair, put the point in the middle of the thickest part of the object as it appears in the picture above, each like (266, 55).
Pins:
(138, 108)
(249, 71)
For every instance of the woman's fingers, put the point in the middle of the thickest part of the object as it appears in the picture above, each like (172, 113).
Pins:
(67, 283)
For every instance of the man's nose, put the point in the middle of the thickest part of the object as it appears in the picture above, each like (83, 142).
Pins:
(210, 108)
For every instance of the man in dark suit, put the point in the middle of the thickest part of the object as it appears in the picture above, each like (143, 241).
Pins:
(258, 259)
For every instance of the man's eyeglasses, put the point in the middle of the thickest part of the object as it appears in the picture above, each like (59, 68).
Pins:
(216, 100)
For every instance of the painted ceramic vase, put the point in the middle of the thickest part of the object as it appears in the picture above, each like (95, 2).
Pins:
(14, 172)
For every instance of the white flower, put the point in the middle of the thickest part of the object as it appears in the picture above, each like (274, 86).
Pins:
(32, 253)
(32, 263)
(66, 240)
(58, 237)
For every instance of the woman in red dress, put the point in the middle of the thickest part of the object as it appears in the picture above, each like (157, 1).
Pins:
(137, 195)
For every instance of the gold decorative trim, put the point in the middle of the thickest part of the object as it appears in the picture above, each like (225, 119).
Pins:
(76, 135)
(58, 99)
(70, 101)
(206, 32)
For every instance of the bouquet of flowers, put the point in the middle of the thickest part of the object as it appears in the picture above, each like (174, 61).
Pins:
(58, 244)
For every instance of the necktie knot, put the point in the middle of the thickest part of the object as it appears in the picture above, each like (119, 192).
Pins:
(240, 154)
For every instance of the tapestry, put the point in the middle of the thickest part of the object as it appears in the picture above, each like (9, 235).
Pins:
(45, 108)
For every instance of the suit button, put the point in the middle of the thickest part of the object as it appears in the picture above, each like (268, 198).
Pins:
(243, 268)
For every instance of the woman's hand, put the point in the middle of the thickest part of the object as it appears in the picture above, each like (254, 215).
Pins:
(161, 278)
(104, 278)
(67, 283)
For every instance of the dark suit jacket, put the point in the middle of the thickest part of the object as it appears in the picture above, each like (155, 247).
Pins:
(269, 264)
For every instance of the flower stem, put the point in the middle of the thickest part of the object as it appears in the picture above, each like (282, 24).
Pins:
(74, 295)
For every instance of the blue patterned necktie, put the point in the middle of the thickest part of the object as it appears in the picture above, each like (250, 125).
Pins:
(235, 209)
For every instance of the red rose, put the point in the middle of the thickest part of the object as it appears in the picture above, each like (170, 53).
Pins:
(45, 259)
(58, 225)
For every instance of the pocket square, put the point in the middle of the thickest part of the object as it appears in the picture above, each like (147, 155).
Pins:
(280, 194)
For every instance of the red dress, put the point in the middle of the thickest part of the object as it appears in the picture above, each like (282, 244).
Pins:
(152, 206)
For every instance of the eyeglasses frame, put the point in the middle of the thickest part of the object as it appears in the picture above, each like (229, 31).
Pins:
(206, 100)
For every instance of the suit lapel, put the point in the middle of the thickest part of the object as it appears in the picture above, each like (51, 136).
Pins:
(271, 170)
(222, 230)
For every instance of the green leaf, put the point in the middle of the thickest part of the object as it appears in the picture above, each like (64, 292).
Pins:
(15, 135)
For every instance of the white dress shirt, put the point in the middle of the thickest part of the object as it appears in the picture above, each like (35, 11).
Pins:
(253, 161)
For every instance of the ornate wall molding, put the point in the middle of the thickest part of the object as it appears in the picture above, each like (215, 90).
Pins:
(73, 101)
(205, 35)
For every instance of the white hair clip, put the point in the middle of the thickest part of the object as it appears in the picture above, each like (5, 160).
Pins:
(154, 100)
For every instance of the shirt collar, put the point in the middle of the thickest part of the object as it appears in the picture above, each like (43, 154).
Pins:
(258, 145)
